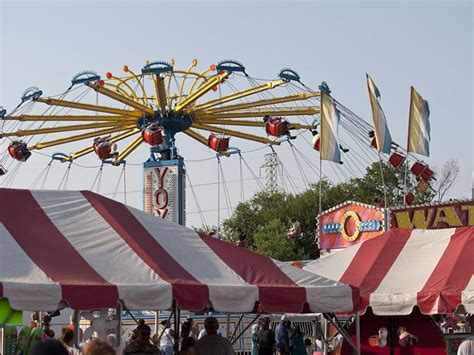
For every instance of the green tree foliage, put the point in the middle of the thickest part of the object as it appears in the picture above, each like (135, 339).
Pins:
(265, 217)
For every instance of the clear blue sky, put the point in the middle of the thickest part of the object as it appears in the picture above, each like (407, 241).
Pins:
(426, 44)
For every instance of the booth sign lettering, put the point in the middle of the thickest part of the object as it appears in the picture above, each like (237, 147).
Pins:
(449, 215)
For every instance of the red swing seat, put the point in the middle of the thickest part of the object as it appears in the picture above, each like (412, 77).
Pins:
(396, 159)
(103, 149)
(409, 198)
(152, 135)
(422, 171)
(277, 127)
(219, 144)
(18, 150)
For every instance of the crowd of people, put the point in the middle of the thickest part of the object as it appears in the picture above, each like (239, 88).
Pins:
(207, 342)
(285, 340)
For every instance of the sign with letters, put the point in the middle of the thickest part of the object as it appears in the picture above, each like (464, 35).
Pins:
(435, 216)
(165, 190)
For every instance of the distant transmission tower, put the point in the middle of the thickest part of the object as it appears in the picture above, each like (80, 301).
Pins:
(271, 165)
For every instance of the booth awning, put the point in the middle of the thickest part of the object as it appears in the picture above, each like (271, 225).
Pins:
(400, 269)
(88, 251)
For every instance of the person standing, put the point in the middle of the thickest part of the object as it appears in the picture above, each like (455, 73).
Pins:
(67, 338)
(141, 345)
(212, 343)
(297, 346)
(467, 346)
(187, 346)
(282, 339)
(167, 339)
(265, 339)
(255, 329)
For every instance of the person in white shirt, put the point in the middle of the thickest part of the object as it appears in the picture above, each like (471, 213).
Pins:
(167, 339)
(467, 346)
(67, 338)
(212, 343)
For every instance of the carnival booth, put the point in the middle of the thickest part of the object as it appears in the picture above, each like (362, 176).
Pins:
(410, 279)
(85, 251)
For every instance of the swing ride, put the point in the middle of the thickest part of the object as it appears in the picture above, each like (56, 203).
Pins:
(220, 107)
(151, 107)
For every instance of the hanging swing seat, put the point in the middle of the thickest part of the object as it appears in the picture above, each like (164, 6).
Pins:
(421, 171)
(102, 148)
(19, 151)
(373, 143)
(152, 135)
(276, 127)
(218, 143)
(396, 159)
(422, 185)
(409, 198)
(316, 142)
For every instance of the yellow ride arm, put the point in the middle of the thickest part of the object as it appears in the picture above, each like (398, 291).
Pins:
(207, 86)
(240, 94)
(33, 132)
(79, 137)
(87, 107)
(259, 113)
(120, 98)
(90, 149)
(253, 104)
(69, 118)
(234, 133)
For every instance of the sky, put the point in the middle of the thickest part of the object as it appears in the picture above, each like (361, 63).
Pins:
(426, 44)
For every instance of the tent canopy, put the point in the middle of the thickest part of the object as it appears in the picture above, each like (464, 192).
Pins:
(87, 251)
(400, 269)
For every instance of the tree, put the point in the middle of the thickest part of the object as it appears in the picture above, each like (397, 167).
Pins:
(446, 178)
(265, 217)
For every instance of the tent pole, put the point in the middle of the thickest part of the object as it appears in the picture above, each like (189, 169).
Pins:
(357, 332)
(157, 321)
(392, 338)
(177, 313)
(236, 327)
(325, 336)
(2, 345)
(227, 333)
(245, 329)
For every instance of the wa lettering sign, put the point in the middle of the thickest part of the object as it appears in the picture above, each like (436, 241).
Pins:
(444, 215)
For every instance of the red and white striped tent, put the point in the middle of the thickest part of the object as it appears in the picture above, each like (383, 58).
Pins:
(90, 252)
(400, 269)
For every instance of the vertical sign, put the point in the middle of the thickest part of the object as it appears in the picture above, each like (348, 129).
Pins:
(165, 190)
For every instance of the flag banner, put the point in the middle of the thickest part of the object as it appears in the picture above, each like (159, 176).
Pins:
(330, 117)
(418, 125)
(382, 134)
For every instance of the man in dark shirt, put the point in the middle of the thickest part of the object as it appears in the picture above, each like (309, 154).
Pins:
(281, 337)
(141, 345)
(265, 339)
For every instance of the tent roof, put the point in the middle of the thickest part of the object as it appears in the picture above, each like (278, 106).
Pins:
(90, 252)
(400, 269)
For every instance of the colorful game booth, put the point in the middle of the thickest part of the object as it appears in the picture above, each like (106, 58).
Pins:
(416, 285)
